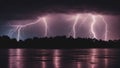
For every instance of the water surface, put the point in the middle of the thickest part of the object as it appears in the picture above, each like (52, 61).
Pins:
(59, 58)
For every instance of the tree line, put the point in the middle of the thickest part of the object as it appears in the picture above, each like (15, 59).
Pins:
(57, 42)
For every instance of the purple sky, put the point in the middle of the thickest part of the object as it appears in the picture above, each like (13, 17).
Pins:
(59, 14)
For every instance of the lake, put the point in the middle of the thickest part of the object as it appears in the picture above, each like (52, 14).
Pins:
(60, 58)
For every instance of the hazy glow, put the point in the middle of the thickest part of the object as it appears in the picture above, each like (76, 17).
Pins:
(93, 57)
(43, 62)
(78, 65)
(56, 59)
(106, 59)
(15, 55)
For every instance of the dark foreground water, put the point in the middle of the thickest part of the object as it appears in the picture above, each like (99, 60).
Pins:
(59, 58)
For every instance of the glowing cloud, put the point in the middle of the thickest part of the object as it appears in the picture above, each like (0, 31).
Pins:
(84, 18)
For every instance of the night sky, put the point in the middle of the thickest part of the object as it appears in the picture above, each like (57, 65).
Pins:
(59, 15)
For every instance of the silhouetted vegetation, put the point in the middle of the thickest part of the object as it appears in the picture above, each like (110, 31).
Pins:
(58, 42)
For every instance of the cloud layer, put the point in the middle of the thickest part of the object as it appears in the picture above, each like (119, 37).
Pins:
(30, 9)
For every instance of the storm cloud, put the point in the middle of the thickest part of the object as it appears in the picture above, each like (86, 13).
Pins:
(30, 9)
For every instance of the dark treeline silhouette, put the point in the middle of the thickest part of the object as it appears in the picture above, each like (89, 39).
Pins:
(58, 42)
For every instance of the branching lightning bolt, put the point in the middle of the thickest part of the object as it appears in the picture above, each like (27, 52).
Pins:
(19, 27)
(11, 32)
(23, 26)
(93, 24)
(77, 17)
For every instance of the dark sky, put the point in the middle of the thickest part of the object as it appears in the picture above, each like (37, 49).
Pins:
(30, 9)
(26, 9)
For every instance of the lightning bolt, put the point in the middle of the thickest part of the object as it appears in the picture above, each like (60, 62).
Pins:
(92, 26)
(74, 25)
(19, 27)
(46, 26)
(106, 28)
(23, 26)
(84, 20)
(19, 32)
(11, 32)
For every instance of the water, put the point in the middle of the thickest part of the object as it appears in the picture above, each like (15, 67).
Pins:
(59, 58)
